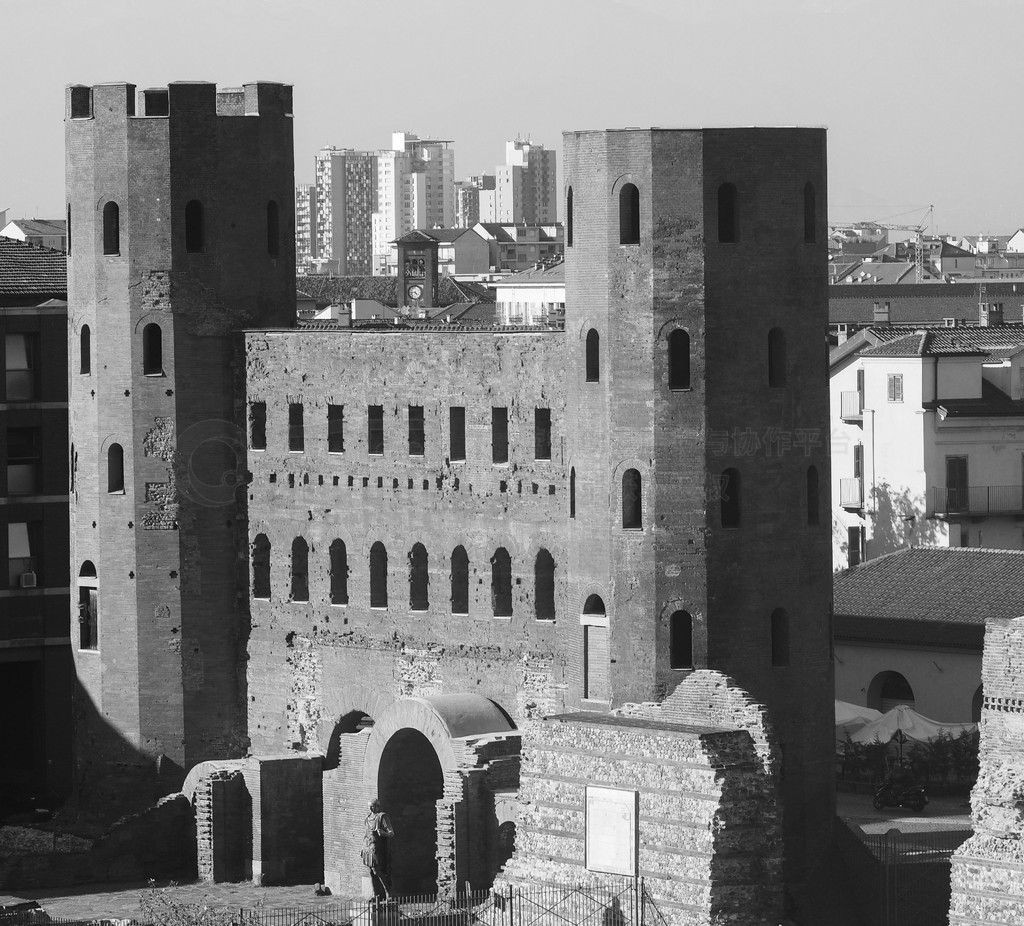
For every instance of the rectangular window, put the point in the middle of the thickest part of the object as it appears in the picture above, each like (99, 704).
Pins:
(542, 433)
(335, 428)
(375, 429)
(417, 435)
(88, 618)
(23, 548)
(23, 461)
(895, 387)
(858, 461)
(258, 425)
(499, 435)
(854, 542)
(457, 428)
(20, 351)
(296, 431)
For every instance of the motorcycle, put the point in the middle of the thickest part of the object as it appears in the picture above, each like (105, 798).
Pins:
(890, 795)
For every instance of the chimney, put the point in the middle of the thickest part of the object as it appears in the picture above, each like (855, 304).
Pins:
(990, 314)
(881, 313)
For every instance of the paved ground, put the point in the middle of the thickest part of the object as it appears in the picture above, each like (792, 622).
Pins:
(121, 901)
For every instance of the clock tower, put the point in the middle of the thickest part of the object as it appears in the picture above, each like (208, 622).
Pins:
(417, 270)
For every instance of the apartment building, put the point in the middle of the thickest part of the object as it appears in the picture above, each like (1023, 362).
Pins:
(346, 201)
(525, 186)
(927, 439)
(306, 250)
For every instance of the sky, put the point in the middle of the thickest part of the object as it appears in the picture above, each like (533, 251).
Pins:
(919, 99)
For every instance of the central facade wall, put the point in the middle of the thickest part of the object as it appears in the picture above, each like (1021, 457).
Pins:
(313, 662)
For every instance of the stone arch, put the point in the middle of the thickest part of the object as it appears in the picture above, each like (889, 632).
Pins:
(416, 734)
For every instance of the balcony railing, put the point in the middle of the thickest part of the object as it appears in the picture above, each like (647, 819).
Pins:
(851, 492)
(852, 405)
(976, 500)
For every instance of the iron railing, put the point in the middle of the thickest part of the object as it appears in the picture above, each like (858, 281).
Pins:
(976, 500)
(625, 902)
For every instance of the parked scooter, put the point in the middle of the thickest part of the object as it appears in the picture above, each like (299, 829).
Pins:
(891, 795)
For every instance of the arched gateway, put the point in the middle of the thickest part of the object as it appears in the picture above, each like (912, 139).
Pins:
(419, 758)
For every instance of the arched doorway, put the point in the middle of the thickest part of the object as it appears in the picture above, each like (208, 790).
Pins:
(409, 783)
(888, 689)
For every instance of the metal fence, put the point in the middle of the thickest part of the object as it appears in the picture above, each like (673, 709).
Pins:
(612, 903)
(903, 878)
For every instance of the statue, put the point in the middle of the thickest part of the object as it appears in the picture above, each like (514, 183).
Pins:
(376, 833)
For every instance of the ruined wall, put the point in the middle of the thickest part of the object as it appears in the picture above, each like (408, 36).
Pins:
(312, 662)
(987, 875)
(704, 764)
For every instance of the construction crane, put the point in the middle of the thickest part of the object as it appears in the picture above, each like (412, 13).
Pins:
(918, 231)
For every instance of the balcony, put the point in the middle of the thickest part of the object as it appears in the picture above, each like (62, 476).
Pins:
(852, 405)
(973, 501)
(851, 492)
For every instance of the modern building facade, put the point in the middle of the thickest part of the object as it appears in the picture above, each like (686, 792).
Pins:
(525, 188)
(347, 198)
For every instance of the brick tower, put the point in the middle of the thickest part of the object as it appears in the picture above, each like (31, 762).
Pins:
(698, 460)
(181, 231)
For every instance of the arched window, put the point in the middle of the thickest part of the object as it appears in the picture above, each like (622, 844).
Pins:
(629, 214)
(152, 350)
(261, 567)
(681, 640)
(339, 572)
(85, 351)
(418, 578)
(115, 468)
(593, 356)
(460, 581)
(273, 229)
(776, 357)
(501, 583)
(888, 690)
(300, 570)
(679, 360)
(632, 496)
(729, 496)
(544, 585)
(810, 215)
(594, 605)
(568, 218)
(813, 495)
(780, 637)
(378, 576)
(728, 220)
(111, 228)
(194, 226)
(88, 570)
(572, 492)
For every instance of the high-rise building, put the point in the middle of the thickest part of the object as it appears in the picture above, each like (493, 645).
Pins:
(346, 199)
(305, 227)
(467, 199)
(525, 186)
(415, 183)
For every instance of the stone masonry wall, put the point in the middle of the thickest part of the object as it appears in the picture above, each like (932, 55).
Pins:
(988, 870)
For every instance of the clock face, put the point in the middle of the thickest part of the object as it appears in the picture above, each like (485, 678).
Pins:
(415, 292)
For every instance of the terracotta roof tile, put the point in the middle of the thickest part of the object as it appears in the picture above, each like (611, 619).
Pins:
(27, 270)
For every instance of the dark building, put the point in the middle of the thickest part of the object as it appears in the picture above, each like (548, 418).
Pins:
(35, 646)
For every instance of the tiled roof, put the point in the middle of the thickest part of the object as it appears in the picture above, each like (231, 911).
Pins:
(1001, 341)
(27, 270)
(47, 228)
(326, 289)
(866, 336)
(958, 586)
(554, 273)
(951, 250)
(879, 273)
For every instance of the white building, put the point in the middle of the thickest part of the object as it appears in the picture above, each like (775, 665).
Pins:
(345, 203)
(525, 187)
(43, 233)
(532, 297)
(927, 440)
